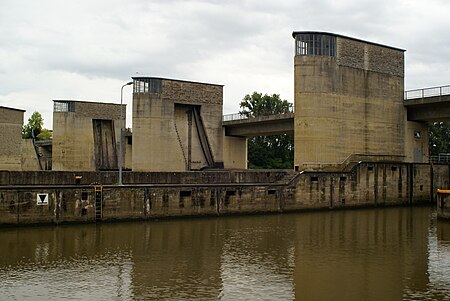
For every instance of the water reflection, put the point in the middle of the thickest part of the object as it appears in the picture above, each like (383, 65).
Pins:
(386, 254)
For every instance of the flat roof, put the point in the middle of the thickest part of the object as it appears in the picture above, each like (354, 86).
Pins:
(87, 101)
(345, 37)
(176, 80)
(8, 108)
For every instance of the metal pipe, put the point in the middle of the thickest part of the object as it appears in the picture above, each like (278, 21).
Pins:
(121, 134)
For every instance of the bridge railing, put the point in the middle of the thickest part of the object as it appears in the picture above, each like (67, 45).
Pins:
(427, 92)
(441, 158)
(235, 116)
(239, 116)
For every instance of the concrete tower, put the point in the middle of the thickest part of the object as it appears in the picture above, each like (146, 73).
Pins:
(349, 103)
(177, 125)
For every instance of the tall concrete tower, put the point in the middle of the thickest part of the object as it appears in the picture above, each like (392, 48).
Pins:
(349, 103)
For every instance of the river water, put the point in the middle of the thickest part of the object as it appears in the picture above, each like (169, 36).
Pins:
(367, 254)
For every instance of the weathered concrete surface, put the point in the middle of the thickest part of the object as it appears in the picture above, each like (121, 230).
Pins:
(353, 103)
(76, 145)
(11, 122)
(436, 108)
(443, 204)
(26, 178)
(260, 126)
(235, 152)
(218, 193)
(164, 130)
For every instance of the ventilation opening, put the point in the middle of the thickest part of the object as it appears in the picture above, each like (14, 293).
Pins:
(231, 192)
(314, 179)
(271, 191)
(84, 196)
(185, 193)
(343, 179)
(370, 168)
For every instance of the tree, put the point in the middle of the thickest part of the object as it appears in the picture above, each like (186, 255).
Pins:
(268, 151)
(33, 129)
(439, 138)
(45, 135)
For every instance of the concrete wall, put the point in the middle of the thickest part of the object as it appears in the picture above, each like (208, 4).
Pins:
(11, 122)
(368, 184)
(235, 152)
(73, 134)
(161, 126)
(352, 103)
(29, 157)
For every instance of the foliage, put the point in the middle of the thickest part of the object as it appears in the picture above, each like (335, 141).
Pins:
(259, 105)
(34, 128)
(439, 138)
(45, 135)
(277, 151)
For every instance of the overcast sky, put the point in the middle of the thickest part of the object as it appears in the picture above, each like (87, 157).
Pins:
(87, 49)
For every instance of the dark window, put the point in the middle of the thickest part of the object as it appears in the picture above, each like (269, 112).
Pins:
(271, 191)
(63, 106)
(370, 168)
(84, 196)
(315, 44)
(147, 85)
(231, 192)
(314, 179)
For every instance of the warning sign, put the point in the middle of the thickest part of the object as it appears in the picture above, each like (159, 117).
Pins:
(42, 198)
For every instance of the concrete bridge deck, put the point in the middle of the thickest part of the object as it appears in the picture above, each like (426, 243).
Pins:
(242, 126)
(429, 104)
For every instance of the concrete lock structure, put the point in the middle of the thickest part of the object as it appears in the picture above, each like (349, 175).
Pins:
(11, 122)
(349, 103)
(85, 135)
(177, 125)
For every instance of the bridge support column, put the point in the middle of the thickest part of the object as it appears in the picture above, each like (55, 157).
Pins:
(235, 152)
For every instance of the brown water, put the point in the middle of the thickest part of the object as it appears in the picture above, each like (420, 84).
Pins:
(374, 254)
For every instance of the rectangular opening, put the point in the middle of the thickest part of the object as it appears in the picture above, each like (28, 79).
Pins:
(105, 152)
(84, 196)
(370, 168)
(296, 168)
(394, 168)
(165, 200)
(185, 193)
(63, 106)
(271, 191)
(231, 192)
(343, 179)
(314, 179)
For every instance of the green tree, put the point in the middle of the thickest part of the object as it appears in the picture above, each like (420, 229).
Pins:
(45, 135)
(34, 128)
(268, 151)
(439, 137)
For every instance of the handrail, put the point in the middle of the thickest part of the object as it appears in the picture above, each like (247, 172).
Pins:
(239, 116)
(440, 158)
(427, 92)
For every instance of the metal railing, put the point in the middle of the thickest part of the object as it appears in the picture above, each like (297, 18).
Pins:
(427, 92)
(239, 116)
(235, 116)
(441, 158)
